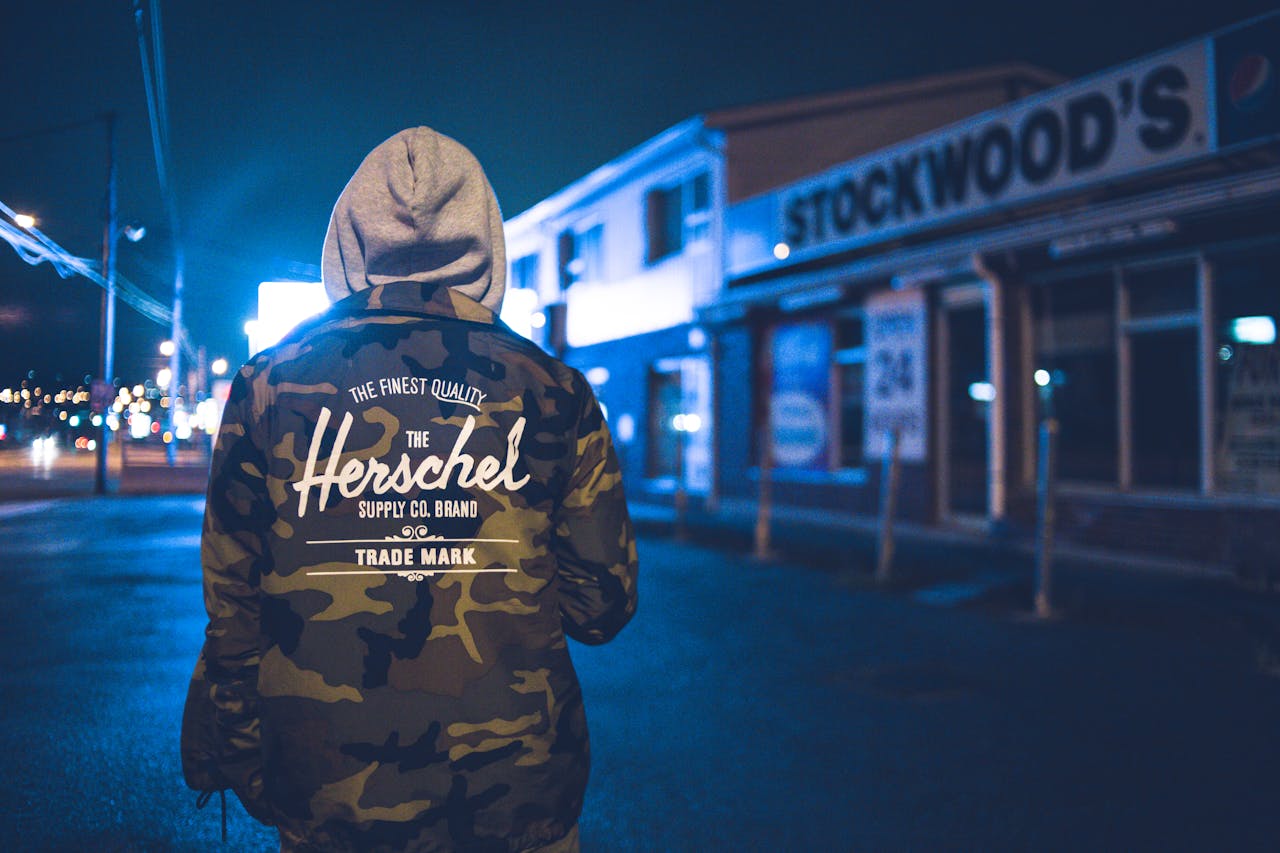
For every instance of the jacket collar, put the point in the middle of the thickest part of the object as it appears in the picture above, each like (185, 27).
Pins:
(411, 297)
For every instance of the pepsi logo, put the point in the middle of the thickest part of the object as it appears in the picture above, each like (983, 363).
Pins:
(1252, 84)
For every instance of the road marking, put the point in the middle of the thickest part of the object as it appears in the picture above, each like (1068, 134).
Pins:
(20, 508)
(952, 594)
(174, 540)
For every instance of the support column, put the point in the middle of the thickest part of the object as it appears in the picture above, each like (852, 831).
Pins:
(1208, 377)
(998, 376)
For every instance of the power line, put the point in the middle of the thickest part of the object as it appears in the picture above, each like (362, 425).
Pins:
(35, 247)
(153, 80)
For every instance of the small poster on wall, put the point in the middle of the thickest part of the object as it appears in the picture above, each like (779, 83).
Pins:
(896, 389)
(798, 412)
(1250, 457)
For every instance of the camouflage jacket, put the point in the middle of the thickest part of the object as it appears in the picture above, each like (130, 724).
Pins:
(409, 509)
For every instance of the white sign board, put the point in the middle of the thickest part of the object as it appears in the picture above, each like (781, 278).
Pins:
(1145, 115)
(896, 386)
(1250, 461)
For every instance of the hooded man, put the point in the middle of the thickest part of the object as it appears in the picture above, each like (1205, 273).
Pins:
(409, 509)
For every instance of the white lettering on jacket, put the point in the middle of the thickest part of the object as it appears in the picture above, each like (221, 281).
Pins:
(406, 477)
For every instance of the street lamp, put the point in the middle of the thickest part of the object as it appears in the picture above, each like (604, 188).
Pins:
(166, 348)
(111, 233)
(219, 366)
(25, 220)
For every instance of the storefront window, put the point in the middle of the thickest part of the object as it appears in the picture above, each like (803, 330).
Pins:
(1166, 409)
(850, 358)
(1076, 346)
(1163, 332)
(680, 421)
(1247, 354)
(665, 402)
(1162, 291)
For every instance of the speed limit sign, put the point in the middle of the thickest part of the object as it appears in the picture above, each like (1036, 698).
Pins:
(895, 392)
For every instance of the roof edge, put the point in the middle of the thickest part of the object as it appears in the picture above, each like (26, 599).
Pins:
(691, 131)
(733, 118)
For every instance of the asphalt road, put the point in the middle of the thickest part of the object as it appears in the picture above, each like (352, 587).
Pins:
(748, 707)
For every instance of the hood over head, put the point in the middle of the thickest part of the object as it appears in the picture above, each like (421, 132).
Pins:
(419, 208)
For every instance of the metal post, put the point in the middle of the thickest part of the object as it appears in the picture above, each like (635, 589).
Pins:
(175, 360)
(764, 512)
(682, 494)
(764, 506)
(107, 340)
(889, 477)
(1045, 482)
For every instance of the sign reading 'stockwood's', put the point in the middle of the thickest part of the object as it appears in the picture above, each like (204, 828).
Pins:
(1148, 114)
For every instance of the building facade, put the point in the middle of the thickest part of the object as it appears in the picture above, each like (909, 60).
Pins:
(1104, 255)
(951, 267)
(614, 271)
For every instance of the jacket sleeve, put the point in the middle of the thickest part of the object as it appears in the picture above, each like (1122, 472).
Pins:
(238, 514)
(594, 541)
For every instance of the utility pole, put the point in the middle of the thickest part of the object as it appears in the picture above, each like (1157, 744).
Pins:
(175, 360)
(108, 337)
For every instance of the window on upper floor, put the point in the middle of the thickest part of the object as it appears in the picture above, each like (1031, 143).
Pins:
(581, 255)
(588, 261)
(677, 216)
(524, 272)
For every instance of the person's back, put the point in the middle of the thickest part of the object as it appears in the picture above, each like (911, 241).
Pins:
(410, 507)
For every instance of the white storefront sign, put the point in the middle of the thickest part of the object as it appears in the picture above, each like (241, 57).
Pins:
(1151, 113)
(896, 386)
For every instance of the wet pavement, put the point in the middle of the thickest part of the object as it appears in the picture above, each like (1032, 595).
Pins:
(750, 706)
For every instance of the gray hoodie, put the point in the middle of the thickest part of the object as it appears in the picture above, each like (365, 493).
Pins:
(420, 209)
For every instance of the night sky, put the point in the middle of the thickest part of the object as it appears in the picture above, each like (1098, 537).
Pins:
(273, 105)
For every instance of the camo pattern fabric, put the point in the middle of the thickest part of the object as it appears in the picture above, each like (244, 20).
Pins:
(410, 507)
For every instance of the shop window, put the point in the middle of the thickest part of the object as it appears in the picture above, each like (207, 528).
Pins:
(679, 444)
(1161, 291)
(850, 358)
(1166, 409)
(1162, 334)
(1076, 347)
(665, 402)
(1247, 355)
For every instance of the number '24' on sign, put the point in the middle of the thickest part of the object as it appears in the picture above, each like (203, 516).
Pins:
(892, 373)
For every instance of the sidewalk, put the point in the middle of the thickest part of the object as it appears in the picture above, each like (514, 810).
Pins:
(847, 543)
(955, 568)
